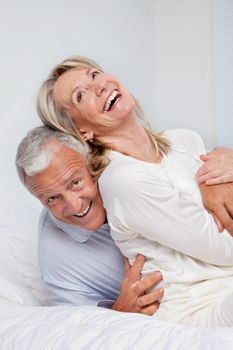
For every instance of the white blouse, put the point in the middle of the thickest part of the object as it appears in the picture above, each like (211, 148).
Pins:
(156, 210)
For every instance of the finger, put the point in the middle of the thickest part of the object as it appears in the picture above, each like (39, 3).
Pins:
(229, 226)
(204, 157)
(218, 223)
(220, 179)
(217, 180)
(210, 175)
(148, 282)
(135, 270)
(225, 218)
(151, 297)
(201, 171)
(127, 266)
(201, 179)
(150, 310)
(214, 167)
(229, 208)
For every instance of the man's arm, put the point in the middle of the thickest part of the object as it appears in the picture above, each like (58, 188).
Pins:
(218, 200)
(75, 274)
(217, 171)
(133, 296)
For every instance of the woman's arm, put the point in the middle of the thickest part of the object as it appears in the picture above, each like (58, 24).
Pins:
(136, 204)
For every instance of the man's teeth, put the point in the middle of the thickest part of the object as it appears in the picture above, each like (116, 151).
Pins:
(83, 212)
(110, 99)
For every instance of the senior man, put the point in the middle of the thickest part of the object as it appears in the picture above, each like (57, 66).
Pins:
(79, 262)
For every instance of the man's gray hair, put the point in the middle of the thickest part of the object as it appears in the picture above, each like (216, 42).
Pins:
(34, 154)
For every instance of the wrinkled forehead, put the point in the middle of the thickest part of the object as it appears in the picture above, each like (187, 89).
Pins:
(65, 86)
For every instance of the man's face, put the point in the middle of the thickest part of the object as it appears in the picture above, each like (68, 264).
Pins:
(67, 190)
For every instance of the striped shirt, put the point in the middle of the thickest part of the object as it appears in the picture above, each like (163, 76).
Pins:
(78, 267)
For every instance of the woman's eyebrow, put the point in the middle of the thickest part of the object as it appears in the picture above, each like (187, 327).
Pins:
(89, 71)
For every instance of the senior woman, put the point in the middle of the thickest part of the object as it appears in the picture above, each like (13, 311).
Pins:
(148, 186)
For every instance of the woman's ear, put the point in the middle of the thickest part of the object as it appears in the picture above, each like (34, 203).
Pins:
(87, 135)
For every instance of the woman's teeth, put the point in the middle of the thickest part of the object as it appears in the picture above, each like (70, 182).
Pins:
(110, 99)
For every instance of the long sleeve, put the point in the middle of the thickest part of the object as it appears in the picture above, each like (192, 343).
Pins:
(145, 202)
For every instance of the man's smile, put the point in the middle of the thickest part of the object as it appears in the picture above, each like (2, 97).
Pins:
(84, 212)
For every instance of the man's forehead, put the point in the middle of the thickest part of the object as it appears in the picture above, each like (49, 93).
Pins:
(63, 152)
(65, 163)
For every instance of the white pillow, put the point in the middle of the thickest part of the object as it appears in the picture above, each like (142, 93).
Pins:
(13, 292)
(19, 267)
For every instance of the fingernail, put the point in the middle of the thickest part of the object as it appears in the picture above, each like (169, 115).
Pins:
(161, 291)
(158, 274)
(140, 257)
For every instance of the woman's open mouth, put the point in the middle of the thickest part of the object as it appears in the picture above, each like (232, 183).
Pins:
(111, 100)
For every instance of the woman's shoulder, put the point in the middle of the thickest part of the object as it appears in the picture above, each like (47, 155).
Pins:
(125, 174)
(185, 140)
(120, 165)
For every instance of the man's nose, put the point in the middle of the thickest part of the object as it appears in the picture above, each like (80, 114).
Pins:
(73, 202)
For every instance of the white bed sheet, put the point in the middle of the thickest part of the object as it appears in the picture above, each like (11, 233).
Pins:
(26, 325)
(60, 328)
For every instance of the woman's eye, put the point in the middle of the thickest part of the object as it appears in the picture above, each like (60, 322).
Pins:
(94, 74)
(77, 183)
(80, 96)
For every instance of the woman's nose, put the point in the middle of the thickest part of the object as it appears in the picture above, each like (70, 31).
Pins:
(99, 87)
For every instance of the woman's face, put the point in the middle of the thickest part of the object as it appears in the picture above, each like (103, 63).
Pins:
(94, 100)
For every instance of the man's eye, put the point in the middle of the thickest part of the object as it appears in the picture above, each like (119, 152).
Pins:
(94, 74)
(80, 96)
(52, 199)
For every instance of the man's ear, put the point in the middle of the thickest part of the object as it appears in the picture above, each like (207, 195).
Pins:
(87, 135)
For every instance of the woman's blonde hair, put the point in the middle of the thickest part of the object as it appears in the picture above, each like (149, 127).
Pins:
(55, 116)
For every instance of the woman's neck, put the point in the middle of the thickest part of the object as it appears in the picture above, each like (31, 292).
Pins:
(132, 140)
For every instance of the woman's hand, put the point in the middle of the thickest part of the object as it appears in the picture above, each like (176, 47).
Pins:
(217, 167)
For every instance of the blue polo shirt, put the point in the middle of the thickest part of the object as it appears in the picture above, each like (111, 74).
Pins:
(78, 267)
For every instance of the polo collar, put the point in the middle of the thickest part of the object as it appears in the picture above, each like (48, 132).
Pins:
(77, 233)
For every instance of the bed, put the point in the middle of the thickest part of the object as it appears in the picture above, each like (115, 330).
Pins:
(28, 323)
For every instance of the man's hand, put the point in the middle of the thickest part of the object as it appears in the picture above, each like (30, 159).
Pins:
(218, 200)
(134, 295)
(217, 167)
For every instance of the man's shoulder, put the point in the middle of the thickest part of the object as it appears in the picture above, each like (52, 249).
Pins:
(53, 230)
(47, 224)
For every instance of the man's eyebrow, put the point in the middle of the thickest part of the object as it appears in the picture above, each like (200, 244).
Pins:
(46, 195)
(73, 176)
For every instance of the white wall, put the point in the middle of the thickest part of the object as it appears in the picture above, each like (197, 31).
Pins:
(36, 35)
(223, 30)
(160, 50)
(184, 90)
